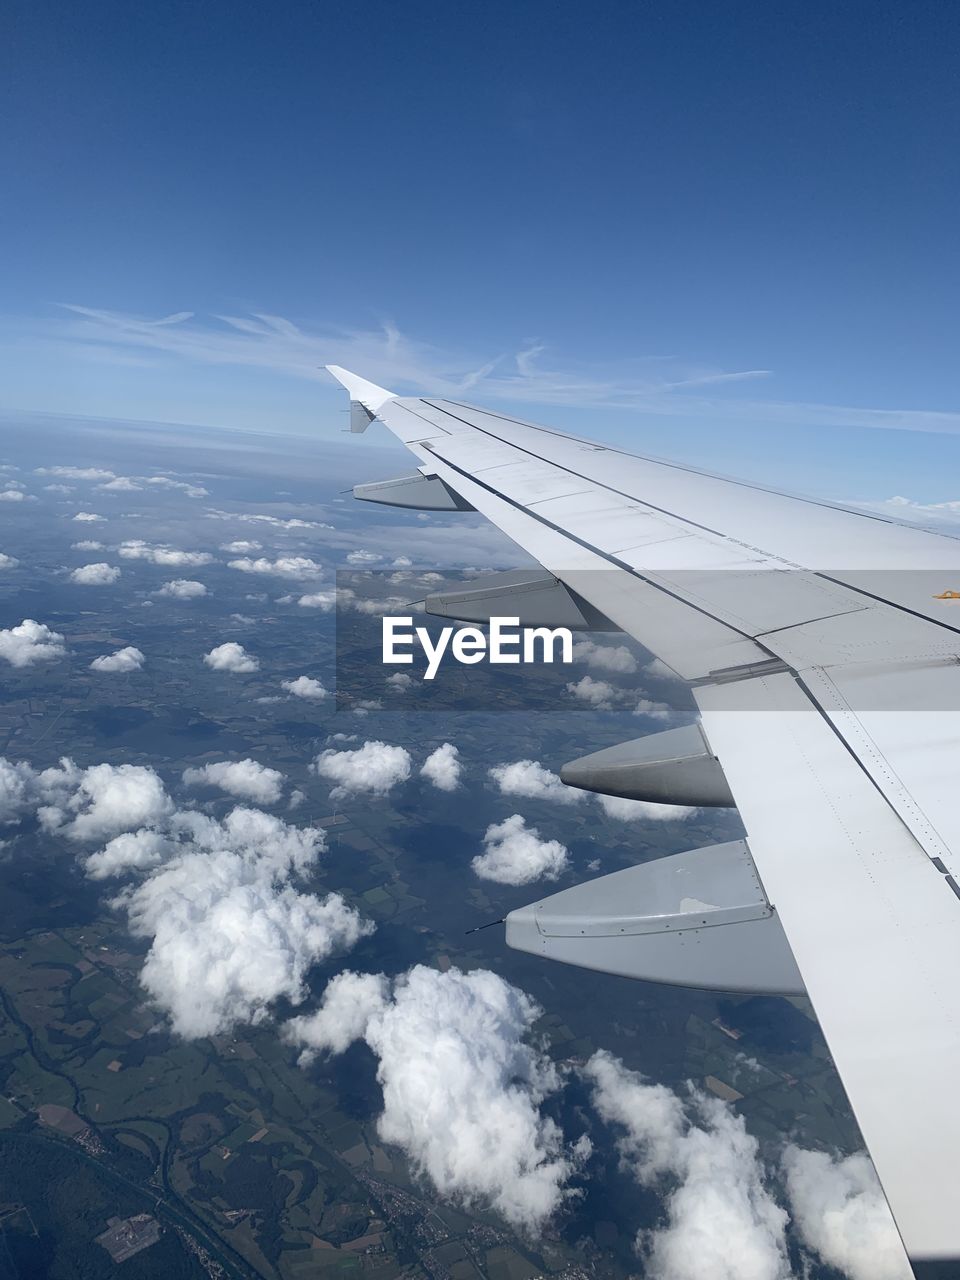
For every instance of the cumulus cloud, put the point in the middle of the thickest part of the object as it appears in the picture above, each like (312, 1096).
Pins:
(839, 1212)
(241, 547)
(528, 778)
(653, 710)
(8, 562)
(634, 810)
(721, 1221)
(229, 933)
(515, 854)
(245, 779)
(128, 659)
(605, 657)
(11, 495)
(296, 567)
(168, 557)
(17, 788)
(95, 575)
(349, 1002)
(131, 851)
(182, 589)
(88, 517)
(442, 767)
(305, 687)
(121, 484)
(599, 694)
(399, 682)
(31, 642)
(58, 488)
(231, 657)
(462, 1087)
(87, 544)
(101, 801)
(375, 768)
(325, 600)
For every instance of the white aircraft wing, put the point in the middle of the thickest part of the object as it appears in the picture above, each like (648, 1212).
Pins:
(822, 645)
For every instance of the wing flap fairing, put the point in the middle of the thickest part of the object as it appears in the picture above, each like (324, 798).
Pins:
(695, 919)
(673, 767)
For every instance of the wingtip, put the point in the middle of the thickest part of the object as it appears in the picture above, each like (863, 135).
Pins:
(368, 393)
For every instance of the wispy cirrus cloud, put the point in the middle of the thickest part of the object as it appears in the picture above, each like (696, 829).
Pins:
(662, 385)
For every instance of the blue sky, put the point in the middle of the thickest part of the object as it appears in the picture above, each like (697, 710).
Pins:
(721, 232)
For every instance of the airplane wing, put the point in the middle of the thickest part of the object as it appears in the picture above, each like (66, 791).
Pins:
(822, 645)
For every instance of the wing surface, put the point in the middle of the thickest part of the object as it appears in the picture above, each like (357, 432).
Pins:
(823, 644)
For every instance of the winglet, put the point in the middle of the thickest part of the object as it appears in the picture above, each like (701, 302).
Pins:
(366, 393)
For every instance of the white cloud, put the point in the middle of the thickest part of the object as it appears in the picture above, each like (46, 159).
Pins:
(11, 495)
(130, 851)
(325, 600)
(128, 659)
(661, 386)
(229, 934)
(399, 682)
(168, 557)
(121, 484)
(598, 694)
(31, 642)
(363, 557)
(605, 657)
(721, 1221)
(245, 779)
(58, 488)
(462, 1088)
(349, 1002)
(191, 490)
(442, 767)
(275, 522)
(95, 575)
(75, 473)
(88, 517)
(839, 1212)
(241, 547)
(515, 854)
(376, 767)
(17, 788)
(653, 710)
(295, 567)
(8, 562)
(528, 778)
(101, 801)
(182, 589)
(231, 657)
(634, 810)
(910, 511)
(86, 544)
(305, 687)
